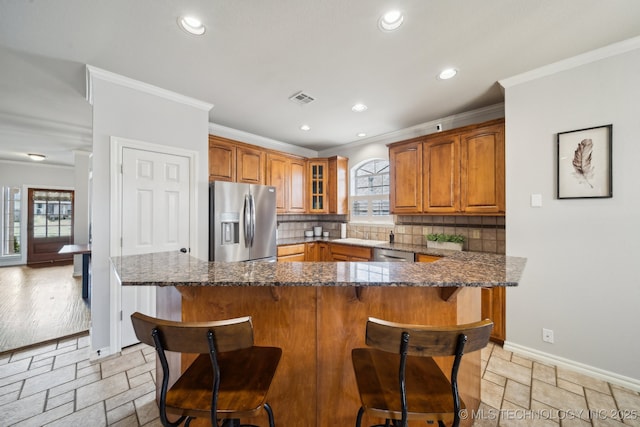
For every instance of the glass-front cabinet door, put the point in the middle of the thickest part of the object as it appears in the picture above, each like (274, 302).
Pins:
(318, 202)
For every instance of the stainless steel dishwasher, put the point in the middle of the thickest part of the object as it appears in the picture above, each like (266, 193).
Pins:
(392, 255)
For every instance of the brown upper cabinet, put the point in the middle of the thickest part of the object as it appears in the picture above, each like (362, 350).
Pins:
(482, 170)
(302, 185)
(328, 185)
(233, 161)
(287, 174)
(405, 160)
(441, 174)
(460, 171)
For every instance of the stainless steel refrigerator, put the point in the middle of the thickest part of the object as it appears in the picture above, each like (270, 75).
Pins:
(242, 222)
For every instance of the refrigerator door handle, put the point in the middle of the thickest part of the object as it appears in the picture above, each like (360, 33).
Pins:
(253, 218)
(247, 220)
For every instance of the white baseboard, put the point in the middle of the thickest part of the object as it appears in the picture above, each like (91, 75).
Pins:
(611, 377)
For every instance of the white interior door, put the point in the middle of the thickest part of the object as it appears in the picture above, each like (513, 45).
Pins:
(155, 218)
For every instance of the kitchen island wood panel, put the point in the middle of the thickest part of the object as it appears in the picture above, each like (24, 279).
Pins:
(317, 327)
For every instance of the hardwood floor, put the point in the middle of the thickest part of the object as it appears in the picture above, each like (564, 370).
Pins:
(39, 305)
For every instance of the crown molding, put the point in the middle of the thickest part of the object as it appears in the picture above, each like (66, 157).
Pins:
(573, 62)
(31, 125)
(479, 115)
(108, 76)
(251, 138)
(31, 163)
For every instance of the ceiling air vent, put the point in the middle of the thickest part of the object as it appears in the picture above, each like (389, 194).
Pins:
(302, 98)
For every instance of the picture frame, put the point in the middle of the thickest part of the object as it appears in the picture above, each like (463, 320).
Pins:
(584, 163)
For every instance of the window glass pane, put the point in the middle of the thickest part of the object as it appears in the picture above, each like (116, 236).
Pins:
(9, 221)
(380, 207)
(360, 208)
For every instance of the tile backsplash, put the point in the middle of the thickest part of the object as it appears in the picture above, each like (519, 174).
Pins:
(290, 226)
(482, 233)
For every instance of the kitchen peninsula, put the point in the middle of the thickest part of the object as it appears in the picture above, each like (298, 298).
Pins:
(316, 312)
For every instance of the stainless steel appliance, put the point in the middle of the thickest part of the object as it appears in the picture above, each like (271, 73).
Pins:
(242, 222)
(392, 255)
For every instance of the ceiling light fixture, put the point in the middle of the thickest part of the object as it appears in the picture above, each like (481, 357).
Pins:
(391, 20)
(361, 135)
(191, 25)
(37, 157)
(447, 74)
(359, 108)
(305, 128)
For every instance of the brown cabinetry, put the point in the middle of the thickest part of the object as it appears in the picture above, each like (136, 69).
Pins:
(302, 185)
(297, 179)
(327, 188)
(287, 174)
(427, 258)
(493, 307)
(441, 174)
(482, 181)
(250, 165)
(236, 162)
(405, 162)
(289, 253)
(311, 251)
(317, 189)
(460, 171)
(341, 252)
(222, 159)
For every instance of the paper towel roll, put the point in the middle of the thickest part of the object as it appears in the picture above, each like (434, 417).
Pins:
(343, 230)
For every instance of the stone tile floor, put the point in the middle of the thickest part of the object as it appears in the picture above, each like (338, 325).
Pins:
(56, 385)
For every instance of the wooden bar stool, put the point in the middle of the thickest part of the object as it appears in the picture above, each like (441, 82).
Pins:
(229, 379)
(399, 381)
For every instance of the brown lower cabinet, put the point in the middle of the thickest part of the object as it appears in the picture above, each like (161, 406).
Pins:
(323, 251)
(290, 253)
(493, 307)
(350, 253)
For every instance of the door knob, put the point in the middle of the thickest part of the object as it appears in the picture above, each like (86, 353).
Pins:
(183, 250)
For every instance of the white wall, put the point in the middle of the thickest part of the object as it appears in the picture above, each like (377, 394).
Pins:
(582, 279)
(81, 209)
(124, 111)
(32, 175)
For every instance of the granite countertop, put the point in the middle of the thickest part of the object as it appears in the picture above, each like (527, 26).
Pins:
(455, 270)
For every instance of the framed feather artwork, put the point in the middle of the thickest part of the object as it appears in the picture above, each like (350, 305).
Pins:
(584, 163)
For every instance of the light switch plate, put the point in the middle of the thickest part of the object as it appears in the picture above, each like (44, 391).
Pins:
(536, 200)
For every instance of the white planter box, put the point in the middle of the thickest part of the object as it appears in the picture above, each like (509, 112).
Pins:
(444, 245)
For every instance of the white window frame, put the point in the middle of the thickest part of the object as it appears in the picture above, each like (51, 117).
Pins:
(370, 218)
(3, 226)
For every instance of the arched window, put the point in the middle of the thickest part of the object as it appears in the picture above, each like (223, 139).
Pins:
(370, 191)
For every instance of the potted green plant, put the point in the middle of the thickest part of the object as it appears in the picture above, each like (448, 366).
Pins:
(445, 241)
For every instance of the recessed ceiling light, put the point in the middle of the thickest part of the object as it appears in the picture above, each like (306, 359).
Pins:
(305, 128)
(191, 25)
(391, 20)
(447, 73)
(36, 157)
(359, 108)
(361, 135)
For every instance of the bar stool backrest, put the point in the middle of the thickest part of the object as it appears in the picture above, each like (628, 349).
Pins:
(190, 337)
(427, 341)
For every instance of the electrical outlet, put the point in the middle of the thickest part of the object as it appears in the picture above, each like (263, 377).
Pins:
(547, 335)
(475, 234)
